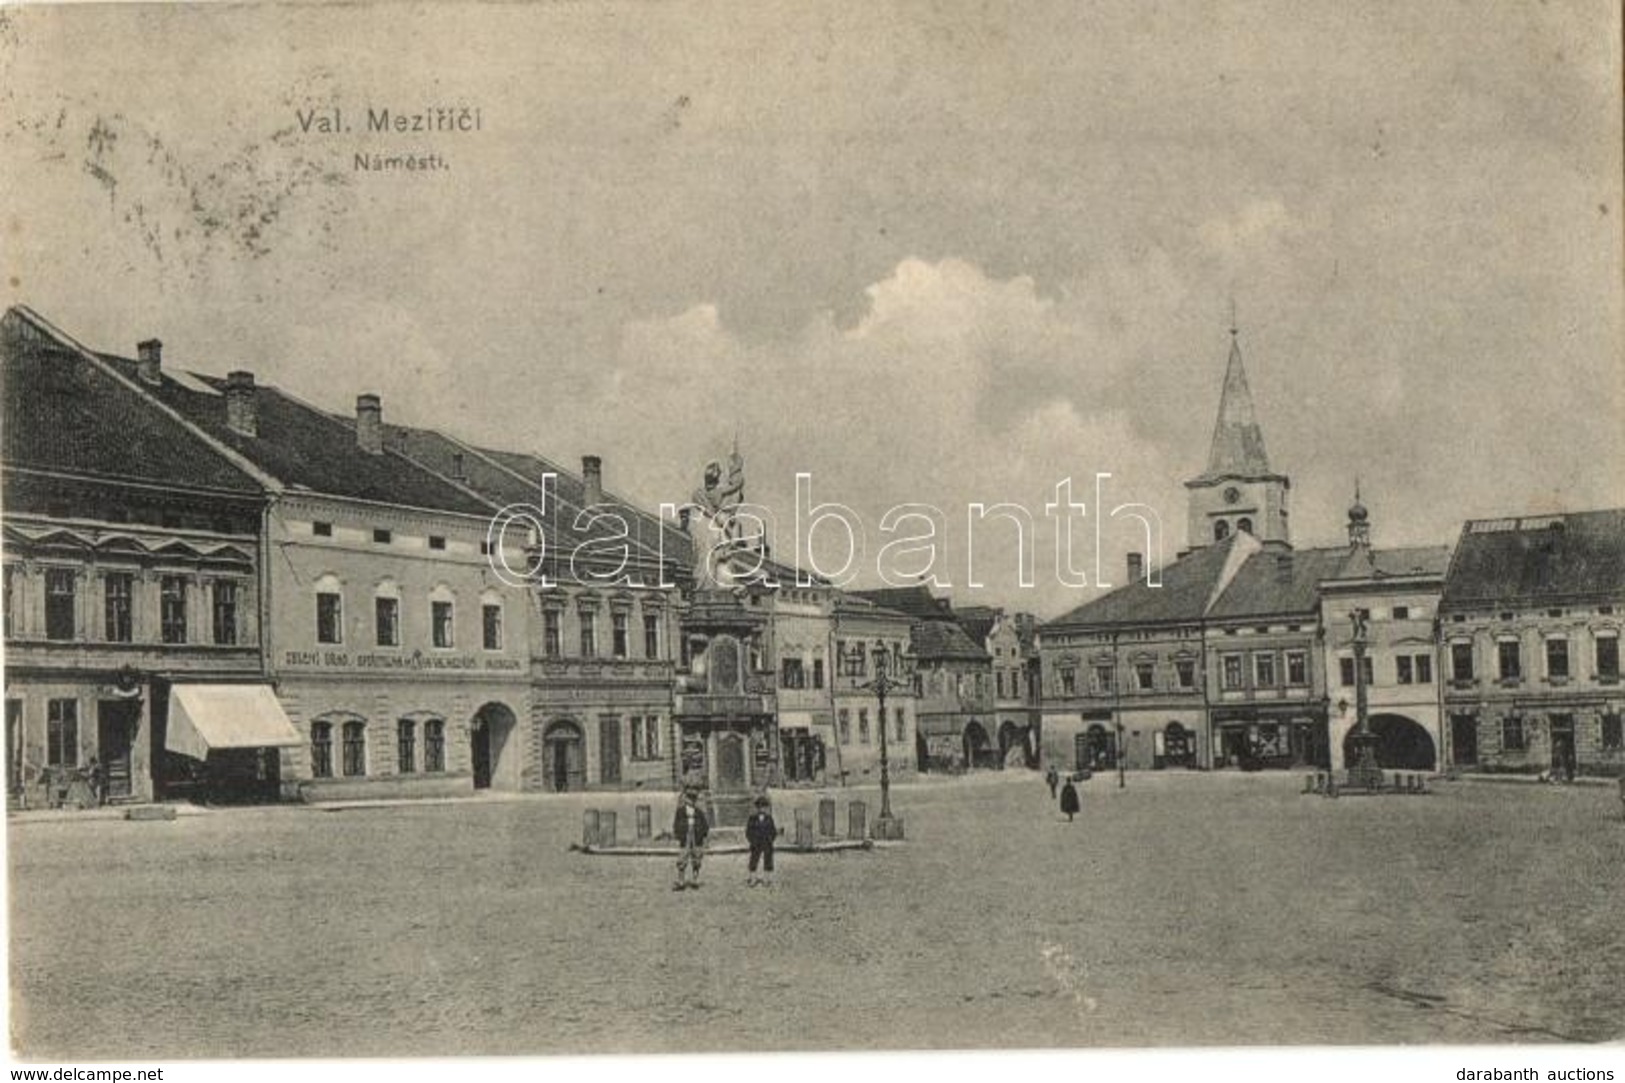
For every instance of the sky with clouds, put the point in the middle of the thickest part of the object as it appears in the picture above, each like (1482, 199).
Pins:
(927, 253)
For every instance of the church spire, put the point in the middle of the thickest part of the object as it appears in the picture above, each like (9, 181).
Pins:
(1238, 442)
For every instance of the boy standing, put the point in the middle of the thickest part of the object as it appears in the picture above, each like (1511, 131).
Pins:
(689, 828)
(761, 832)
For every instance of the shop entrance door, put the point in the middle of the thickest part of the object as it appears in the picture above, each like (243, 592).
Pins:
(115, 738)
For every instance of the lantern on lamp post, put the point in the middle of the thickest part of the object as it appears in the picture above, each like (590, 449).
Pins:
(884, 684)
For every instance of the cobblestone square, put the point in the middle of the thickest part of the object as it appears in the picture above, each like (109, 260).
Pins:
(1186, 909)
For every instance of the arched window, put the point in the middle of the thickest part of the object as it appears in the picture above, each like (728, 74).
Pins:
(355, 748)
(321, 750)
(1221, 530)
(329, 610)
(1245, 526)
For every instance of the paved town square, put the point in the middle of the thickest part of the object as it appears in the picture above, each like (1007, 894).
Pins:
(1186, 909)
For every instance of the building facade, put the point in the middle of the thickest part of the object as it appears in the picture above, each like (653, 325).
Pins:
(132, 576)
(1529, 628)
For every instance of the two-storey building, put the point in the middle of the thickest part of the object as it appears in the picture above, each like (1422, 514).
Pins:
(859, 630)
(400, 656)
(1529, 630)
(132, 589)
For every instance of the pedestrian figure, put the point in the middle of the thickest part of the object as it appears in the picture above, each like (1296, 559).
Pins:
(1053, 779)
(761, 832)
(690, 828)
(1069, 800)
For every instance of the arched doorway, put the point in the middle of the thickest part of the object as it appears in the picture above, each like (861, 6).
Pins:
(488, 736)
(1012, 744)
(1402, 744)
(563, 757)
(1099, 748)
(978, 747)
(1178, 747)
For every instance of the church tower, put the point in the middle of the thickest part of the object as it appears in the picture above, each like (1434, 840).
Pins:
(1238, 491)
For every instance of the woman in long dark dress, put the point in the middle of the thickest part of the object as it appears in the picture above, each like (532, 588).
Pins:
(1069, 800)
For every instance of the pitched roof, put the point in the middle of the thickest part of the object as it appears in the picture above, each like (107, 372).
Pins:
(1369, 563)
(1238, 442)
(917, 601)
(1187, 585)
(977, 620)
(1537, 559)
(943, 640)
(306, 448)
(65, 412)
(1277, 581)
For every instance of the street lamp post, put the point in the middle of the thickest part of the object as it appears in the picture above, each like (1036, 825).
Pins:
(1122, 778)
(886, 826)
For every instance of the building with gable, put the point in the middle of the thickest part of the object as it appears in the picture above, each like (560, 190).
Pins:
(1529, 629)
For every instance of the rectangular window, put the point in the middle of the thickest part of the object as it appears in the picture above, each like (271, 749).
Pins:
(119, 607)
(1510, 658)
(1103, 679)
(387, 621)
(552, 633)
(321, 750)
(1233, 677)
(225, 613)
(651, 636)
(172, 608)
(321, 529)
(791, 674)
(618, 635)
(62, 733)
(1461, 661)
(1345, 672)
(1512, 735)
(441, 626)
(1264, 670)
(60, 588)
(492, 625)
(843, 719)
(1424, 669)
(437, 541)
(355, 749)
(1612, 737)
(1403, 670)
(589, 633)
(434, 745)
(1145, 675)
(651, 736)
(329, 617)
(406, 746)
(818, 673)
(1186, 671)
(1557, 659)
(1402, 612)
(1069, 682)
(897, 724)
(382, 536)
(1297, 668)
(1608, 657)
(6, 594)
(863, 725)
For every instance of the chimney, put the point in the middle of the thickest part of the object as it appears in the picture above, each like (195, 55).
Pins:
(242, 412)
(369, 423)
(592, 477)
(149, 360)
(457, 472)
(1136, 567)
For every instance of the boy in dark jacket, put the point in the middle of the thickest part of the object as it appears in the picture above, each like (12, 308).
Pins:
(760, 832)
(689, 827)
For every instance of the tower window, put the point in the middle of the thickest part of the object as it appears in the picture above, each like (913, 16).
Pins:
(1221, 530)
(1244, 525)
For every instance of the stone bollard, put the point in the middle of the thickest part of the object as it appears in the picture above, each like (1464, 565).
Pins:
(1331, 787)
(589, 827)
(1308, 783)
(645, 825)
(606, 828)
(804, 829)
(826, 818)
(857, 820)
(1320, 782)
(1399, 782)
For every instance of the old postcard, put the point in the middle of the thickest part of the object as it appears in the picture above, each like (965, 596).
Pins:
(654, 528)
